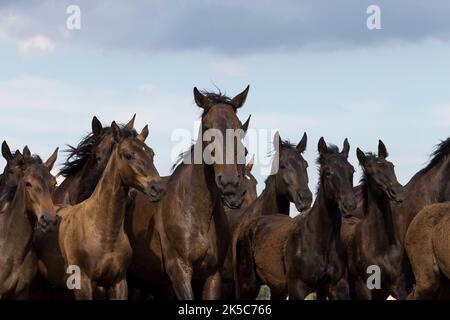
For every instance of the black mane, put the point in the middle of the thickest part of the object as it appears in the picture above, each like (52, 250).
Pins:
(79, 155)
(441, 151)
(216, 98)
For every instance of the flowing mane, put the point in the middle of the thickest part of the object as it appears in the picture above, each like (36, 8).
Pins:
(441, 151)
(78, 156)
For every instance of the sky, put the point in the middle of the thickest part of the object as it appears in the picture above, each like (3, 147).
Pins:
(312, 66)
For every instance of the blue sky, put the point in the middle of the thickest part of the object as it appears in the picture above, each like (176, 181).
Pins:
(312, 66)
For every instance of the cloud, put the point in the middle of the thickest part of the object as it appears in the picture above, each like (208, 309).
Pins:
(38, 44)
(230, 27)
(229, 67)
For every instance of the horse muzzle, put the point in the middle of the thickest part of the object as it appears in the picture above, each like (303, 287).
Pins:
(48, 222)
(156, 191)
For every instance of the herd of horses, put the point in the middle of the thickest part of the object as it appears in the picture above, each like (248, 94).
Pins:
(203, 232)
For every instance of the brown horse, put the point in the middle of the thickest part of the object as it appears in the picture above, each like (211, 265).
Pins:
(91, 234)
(85, 164)
(296, 256)
(428, 186)
(427, 246)
(10, 176)
(30, 206)
(374, 240)
(184, 238)
(288, 184)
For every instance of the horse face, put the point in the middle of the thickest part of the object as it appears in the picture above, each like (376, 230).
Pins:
(39, 185)
(136, 164)
(336, 175)
(382, 173)
(292, 176)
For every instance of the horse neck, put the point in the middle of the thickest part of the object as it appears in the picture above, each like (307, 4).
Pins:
(203, 185)
(16, 230)
(324, 220)
(272, 202)
(378, 220)
(423, 189)
(109, 201)
(68, 189)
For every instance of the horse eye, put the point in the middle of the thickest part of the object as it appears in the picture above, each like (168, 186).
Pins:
(328, 173)
(282, 166)
(28, 185)
(128, 156)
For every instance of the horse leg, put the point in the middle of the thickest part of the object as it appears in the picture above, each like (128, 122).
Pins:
(361, 290)
(180, 274)
(212, 287)
(297, 289)
(85, 292)
(119, 291)
(340, 290)
(427, 283)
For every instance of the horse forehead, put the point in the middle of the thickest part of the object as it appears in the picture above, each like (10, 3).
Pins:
(222, 114)
(339, 161)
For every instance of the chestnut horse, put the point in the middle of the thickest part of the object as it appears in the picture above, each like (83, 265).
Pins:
(85, 164)
(91, 234)
(288, 183)
(184, 238)
(296, 256)
(29, 206)
(427, 244)
(374, 240)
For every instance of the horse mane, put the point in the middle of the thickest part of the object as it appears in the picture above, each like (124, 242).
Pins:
(182, 156)
(441, 151)
(78, 156)
(216, 98)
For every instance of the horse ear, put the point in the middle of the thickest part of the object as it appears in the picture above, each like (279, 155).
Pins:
(382, 151)
(130, 124)
(239, 100)
(26, 152)
(6, 152)
(250, 164)
(97, 126)
(144, 134)
(301, 147)
(346, 148)
(19, 158)
(51, 160)
(322, 147)
(201, 100)
(246, 124)
(117, 133)
(361, 156)
(277, 141)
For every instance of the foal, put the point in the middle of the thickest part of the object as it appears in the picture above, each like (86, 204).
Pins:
(374, 240)
(298, 256)
(91, 234)
(30, 206)
(427, 244)
(288, 184)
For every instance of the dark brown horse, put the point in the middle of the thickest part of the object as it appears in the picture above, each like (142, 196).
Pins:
(91, 234)
(184, 238)
(85, 164)
(288, 184)
(10, 176)
(30, 206)
(374, 241)
(296, 256)
(427, 244)
(428, 186)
